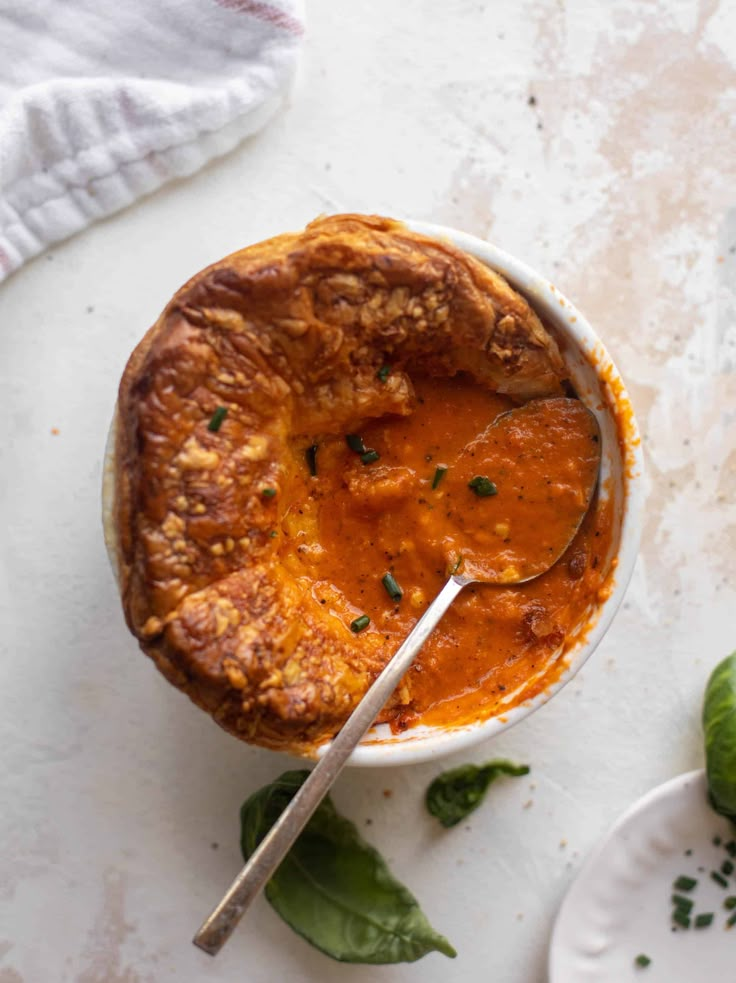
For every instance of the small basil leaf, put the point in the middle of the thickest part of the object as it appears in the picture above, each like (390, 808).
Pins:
(334, 889)
(719, 725)
(454, 794)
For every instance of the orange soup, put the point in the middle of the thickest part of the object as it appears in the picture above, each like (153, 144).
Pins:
(379, 519)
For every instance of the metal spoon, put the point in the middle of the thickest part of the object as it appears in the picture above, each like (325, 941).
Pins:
(525, 430)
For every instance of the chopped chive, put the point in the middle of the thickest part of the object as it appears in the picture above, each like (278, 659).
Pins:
(642, 961)
(355, 443)
(718, 878)
(370, 456)
(731, 921)
(682, 904)
(730, 902)
(383, 373)
(680, 918)
(392, 588)
(704, 920)
(457, 566)
(731, 848)
(216, 419)
(273, 534)
(716, 841)
(439, 473)
(482, 486)
(685, 883)
(360, 623)
(311, 455)
(727, 868)
(268, 492)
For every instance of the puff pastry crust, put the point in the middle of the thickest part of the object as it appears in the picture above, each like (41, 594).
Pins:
(289, 336)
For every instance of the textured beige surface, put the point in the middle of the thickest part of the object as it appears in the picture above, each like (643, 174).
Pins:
(619, 183)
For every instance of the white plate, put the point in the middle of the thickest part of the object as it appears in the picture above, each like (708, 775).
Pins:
(619, 906)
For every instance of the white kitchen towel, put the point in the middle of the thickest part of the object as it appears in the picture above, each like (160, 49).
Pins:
(103, 102)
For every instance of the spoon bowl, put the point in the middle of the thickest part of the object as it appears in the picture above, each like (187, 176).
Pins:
(540, 463)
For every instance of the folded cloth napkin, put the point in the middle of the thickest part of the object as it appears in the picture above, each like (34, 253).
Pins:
(101, 103)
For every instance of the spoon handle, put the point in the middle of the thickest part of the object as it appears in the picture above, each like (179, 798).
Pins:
(260, 867)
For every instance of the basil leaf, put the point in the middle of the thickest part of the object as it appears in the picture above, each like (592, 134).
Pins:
(719, 725)
(454, 794)
(334, 889)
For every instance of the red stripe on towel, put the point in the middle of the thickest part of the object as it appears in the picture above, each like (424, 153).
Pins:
(266, 13)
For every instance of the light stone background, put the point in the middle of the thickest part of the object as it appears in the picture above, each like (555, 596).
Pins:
(620, 184)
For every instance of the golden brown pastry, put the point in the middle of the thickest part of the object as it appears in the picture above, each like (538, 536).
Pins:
(289, 336)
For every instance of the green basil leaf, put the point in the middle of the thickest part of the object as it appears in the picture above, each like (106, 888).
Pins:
(719, 725)
(454, 794)
(334, 889)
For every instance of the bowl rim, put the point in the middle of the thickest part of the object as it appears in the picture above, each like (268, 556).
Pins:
(440, 742)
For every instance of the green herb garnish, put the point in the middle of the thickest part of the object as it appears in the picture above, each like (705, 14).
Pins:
(482, 486)
(730, 902)
(268, 492)
(684, 883)
(719, 725)
(355, 443)
(392, 588)
(311, 456)
(454, 794)
(216, 419)
(732, 920)
(370, 456)
(642, 961)
(439, 473)
(731, 848)
(684, 904)
(383, 373)
(334, 889)
(727, 868)
(704, 920)
(718, 878)
(360, 623)
(680, 918)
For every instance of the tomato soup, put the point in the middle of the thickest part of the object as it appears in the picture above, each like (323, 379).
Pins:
(373, 534)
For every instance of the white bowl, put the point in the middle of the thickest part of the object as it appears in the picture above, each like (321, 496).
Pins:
(599, 385)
